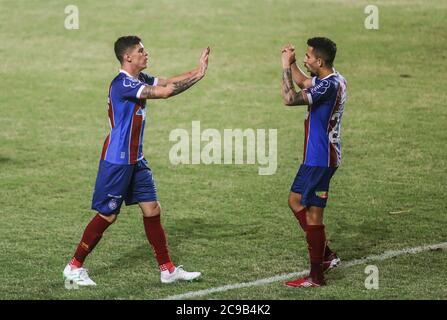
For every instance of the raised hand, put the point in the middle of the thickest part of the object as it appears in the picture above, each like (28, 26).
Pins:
(288, 55)
(203, 62)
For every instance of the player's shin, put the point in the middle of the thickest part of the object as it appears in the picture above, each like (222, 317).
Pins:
(316, 240)
(92, 234)
(157, 238)
(301, 217)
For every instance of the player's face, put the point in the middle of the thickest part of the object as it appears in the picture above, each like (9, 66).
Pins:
(311, 62)
(139, 56)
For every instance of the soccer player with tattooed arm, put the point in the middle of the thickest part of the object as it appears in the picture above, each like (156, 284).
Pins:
(324, 94)
(124, 174)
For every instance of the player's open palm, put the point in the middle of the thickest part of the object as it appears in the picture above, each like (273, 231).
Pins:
(203, 62)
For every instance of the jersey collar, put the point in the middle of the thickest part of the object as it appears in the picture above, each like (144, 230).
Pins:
(127, 74)
(330, 75)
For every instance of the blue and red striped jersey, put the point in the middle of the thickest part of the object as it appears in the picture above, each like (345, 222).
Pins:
(327, 99)
(127, 117)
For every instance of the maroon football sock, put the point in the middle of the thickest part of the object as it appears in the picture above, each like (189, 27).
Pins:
(157, 238)
(301, 217)
(316, 240)
(327, 252)
(167, 266)
(92, 234)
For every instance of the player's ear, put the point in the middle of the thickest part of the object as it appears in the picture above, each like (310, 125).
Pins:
(127, 57)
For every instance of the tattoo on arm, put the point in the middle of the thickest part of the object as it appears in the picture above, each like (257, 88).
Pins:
(148, 92)
(182, 85)
(170, 89)
(290, 96)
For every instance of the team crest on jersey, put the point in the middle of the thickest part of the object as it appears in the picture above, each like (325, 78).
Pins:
(113, 204)
(320, 88)
(130, 82)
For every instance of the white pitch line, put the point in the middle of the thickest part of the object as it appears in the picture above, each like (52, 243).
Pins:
(384, 256)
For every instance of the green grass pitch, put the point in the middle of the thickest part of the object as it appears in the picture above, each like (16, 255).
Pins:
(224, 220)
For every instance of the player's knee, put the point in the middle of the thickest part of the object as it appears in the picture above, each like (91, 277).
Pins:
(290, 202)
(152, 210)
(109, 218)
(294, 203)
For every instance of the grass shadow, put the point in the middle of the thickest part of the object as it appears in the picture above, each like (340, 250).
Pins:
(4, 160)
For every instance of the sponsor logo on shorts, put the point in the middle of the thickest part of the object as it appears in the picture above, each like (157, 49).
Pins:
(112, 196)
(322, 194)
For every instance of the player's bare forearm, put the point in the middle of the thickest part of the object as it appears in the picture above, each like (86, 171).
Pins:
(173, 88)
(182, 77)
(300, 78)
(185, 82)
(289, 95)
(175, 85)
(162, 82)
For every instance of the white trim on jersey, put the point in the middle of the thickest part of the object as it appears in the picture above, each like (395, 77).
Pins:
(155, 82)
(139, 91)
(334, 73)
(309, 97)
(127, 74)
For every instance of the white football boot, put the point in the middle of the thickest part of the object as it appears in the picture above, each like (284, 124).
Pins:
(79, 276)
(178, 274)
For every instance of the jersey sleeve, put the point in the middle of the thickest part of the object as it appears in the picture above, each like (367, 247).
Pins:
(320, 90)
(148, 79)
(128, 88)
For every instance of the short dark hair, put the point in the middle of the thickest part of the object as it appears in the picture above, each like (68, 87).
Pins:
(323, 48)
(124, 43)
